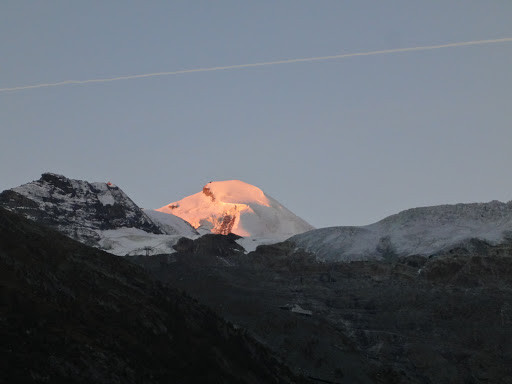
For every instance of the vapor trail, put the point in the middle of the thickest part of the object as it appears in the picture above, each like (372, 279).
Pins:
(260, 64)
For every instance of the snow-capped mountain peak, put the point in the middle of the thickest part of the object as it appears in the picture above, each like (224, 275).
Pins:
(237, 207)
(235, 192)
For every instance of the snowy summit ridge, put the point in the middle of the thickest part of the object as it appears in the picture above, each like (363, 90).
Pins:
(233, 206)
(418, 231)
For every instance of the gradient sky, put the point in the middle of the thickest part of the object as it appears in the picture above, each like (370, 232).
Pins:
(340, 142)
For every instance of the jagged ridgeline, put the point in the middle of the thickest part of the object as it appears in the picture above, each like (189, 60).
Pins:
(97, 214)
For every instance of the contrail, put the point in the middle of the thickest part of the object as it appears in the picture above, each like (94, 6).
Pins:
(260, 64)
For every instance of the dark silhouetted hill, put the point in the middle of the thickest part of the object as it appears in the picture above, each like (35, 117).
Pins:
(73, 314)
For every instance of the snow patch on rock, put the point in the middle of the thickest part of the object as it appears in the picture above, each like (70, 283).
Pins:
(133, 241)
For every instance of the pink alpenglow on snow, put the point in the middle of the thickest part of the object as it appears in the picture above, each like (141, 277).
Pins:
(233, 206)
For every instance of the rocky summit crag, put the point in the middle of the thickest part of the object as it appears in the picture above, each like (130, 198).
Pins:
(76, 208)
(96, 214)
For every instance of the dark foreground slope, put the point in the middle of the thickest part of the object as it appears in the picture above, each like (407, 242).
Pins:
(445, 319)
(73, 314)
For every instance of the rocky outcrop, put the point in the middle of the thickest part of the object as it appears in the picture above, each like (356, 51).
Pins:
(226, 226)
(476, 264)
(281, 255)
(208, 192)
(210, 245)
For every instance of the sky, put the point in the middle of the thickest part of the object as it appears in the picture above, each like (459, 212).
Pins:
(338, 142)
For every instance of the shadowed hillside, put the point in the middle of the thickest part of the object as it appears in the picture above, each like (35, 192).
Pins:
(443, 319)
(73, 314)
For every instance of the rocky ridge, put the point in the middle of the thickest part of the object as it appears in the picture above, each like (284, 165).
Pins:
(97, 214)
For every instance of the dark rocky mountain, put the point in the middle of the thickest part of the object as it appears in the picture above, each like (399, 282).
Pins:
(75, 207)
(84, 211)
(443, 319)
(74, 314)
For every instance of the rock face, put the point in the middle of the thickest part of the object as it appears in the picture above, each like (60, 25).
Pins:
(233, 206)
(210, 245)
(476, 264)
(92, 213)
(75, 207)
(74, 314)
(418, 231)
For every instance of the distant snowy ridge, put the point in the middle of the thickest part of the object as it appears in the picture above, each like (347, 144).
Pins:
(233, 206)
(98, 214)
(417, 231)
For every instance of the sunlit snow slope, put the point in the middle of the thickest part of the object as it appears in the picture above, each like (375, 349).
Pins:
(237, 207)
(418, 231)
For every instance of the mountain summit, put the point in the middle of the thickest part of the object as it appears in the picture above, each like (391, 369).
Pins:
(97, 214)
(233, 206)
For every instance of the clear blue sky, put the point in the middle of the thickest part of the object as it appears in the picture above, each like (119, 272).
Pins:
(341, 142)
